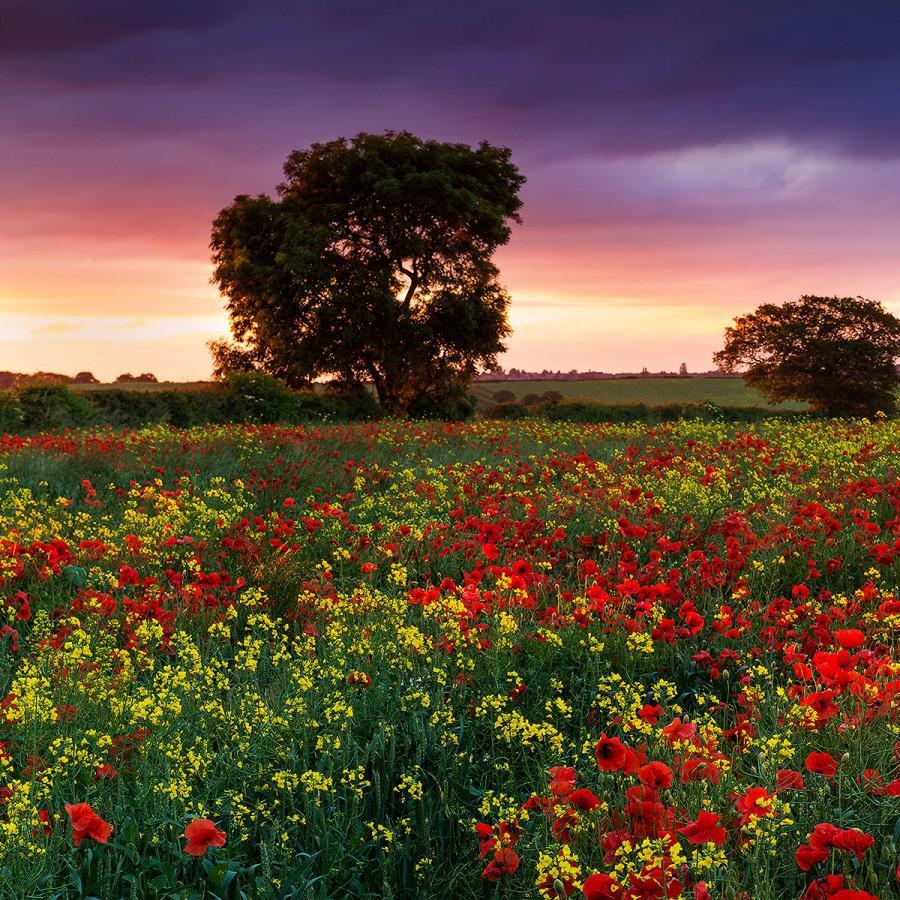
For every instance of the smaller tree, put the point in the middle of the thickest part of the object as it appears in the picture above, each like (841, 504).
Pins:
(837, 353)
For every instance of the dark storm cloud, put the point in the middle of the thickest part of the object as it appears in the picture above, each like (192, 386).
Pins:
(45, 28)
(565, 77)
(144, 118)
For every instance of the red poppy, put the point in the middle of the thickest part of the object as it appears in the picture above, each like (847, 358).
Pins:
(854, 841)
(509, 833)
(653, 885)
(584, 799)
(848, 894)
(563, 825)
(704, 830)
(822, 703)
(891, 789)
(788, 780)
(87, 824)
(700, 770)
(823, 834)
(505, 862)
(490, 551)
(562, 781)
(600, 886)
(44, 818)
(756, 801)
(677, 730)
(808, 856)
(822, 888)
(486, 838)
(650, 712)
(611, 754)
(648, 816)
(850, 638)
(656, 775)
(202, 834)
(821, 764)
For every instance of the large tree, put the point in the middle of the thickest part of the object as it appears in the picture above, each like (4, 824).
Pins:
(374, 263)
(837, 353)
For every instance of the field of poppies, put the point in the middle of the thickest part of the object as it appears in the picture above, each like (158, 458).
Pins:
(468, 661)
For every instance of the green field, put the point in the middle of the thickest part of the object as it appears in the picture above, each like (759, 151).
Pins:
(651, 391)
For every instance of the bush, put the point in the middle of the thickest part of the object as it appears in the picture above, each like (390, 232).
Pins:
(256, 397)
(10, 413)
(504, 397)
(51, 407)
(312, 407)
(589, 413)
(128, 409)
(357, 402)
(452, 402)
(187, 408)
(508, 411)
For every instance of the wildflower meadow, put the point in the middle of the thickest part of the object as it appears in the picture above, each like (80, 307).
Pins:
(500, 659)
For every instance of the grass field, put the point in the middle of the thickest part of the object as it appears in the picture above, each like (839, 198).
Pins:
(494, 660)
(650, 391)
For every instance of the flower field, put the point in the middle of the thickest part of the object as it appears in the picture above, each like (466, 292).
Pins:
(489, 660)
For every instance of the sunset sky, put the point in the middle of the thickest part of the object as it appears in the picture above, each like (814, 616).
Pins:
(686, 161)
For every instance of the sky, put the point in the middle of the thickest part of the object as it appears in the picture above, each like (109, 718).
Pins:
(686, 160)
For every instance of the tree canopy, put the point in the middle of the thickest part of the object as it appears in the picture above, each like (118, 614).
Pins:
(374, 263)
(837, 353)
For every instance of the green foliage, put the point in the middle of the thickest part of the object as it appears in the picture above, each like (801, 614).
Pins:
(242, 397)
(354, 401)
(374, 263)
(52, 407)
(452, 402)
(509, 411)
(256, 397)
(586, 412)
(580, 411)
(128, 409)
(10, 413)
(839, 353)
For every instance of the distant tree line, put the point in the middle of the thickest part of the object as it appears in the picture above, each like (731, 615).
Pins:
(514, 374)
(10, 380)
